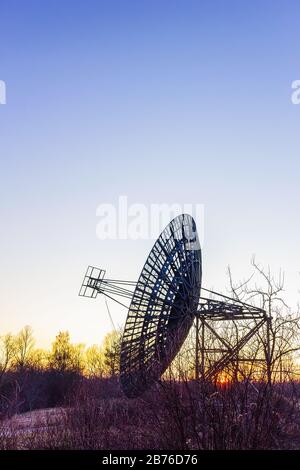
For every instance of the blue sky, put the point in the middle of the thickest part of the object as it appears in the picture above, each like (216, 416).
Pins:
(161, 101)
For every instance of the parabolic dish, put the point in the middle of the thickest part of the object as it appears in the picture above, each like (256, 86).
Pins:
(163, 306)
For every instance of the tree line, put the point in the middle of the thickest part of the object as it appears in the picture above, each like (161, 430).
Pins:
(32, 378)
(18, 353)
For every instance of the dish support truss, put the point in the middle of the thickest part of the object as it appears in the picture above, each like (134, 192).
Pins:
(214, 308)
(210, 313)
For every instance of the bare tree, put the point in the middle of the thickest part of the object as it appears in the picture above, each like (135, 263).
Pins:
(7, 352)
(278, 339)
(24, 344)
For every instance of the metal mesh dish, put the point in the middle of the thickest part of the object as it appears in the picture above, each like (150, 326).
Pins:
(163, 306)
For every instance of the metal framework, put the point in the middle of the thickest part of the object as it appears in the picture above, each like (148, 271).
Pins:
(211, 311)
(165, 302)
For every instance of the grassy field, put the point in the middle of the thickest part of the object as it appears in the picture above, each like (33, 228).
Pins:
(171, 416)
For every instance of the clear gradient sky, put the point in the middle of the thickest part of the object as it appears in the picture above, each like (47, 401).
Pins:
(163, 101)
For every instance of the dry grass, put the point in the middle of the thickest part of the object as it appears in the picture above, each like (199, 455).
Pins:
(171, 416)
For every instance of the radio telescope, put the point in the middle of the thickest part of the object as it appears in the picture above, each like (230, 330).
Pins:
(164, 304)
